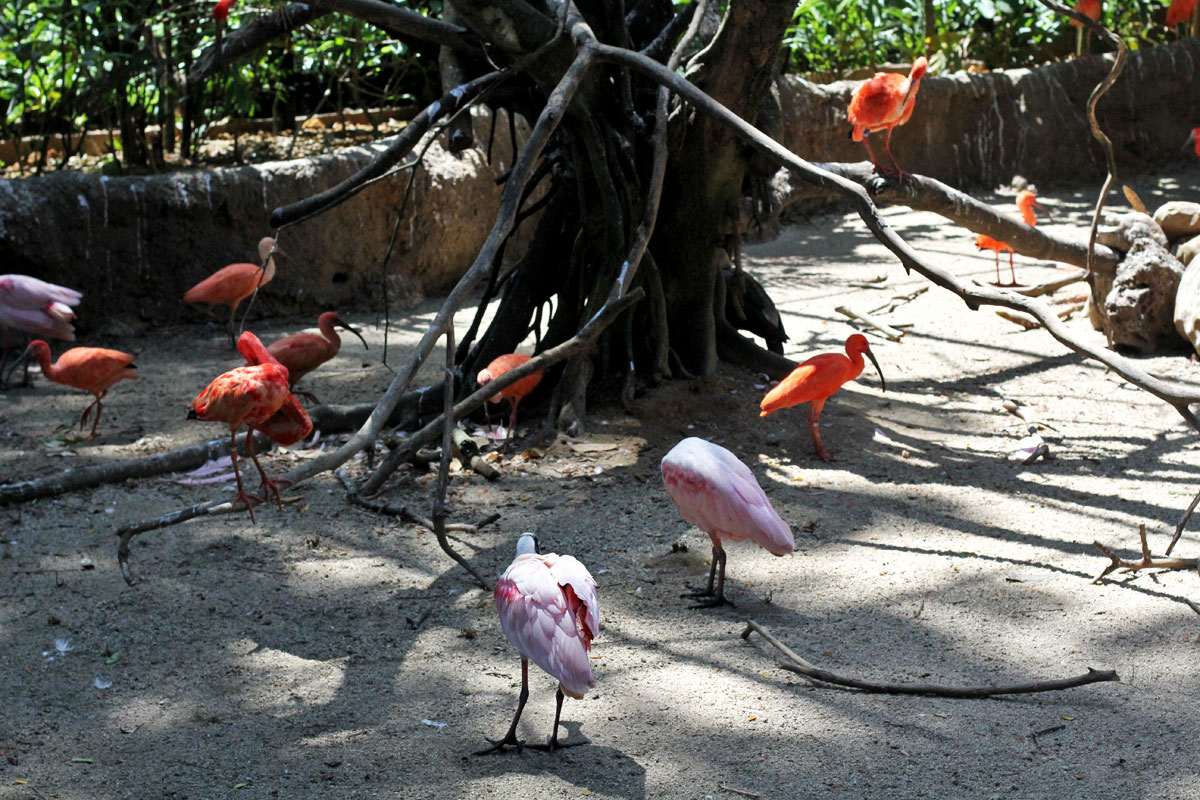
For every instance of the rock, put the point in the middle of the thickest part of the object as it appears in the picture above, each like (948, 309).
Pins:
(1141, 305)
(1188, 250)
(1120, 231)
(1178, 219)
(1187, 305)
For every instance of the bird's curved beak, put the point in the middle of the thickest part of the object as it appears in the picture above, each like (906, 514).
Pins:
(1044, 210)
(356, 333)
(882, 382)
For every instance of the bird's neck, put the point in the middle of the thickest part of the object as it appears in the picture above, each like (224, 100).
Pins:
(329, 332)
(856, 360)
(50, 371)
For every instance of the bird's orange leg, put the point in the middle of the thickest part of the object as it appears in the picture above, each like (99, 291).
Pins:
(229, 325)
(237, 473)
(268, 485)
(871, 151)
(887, 148)
(997, 254)
(717, 597)
(814, 417)
(510, 738)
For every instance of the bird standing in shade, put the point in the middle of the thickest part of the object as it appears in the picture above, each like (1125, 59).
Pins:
(882, 103)
(93, 369)
(513, 393)
(1026, 202)
(719, 495)
(1083, 38)
(33, 306)
(232, 284)
(550, 612)
(818, 379)
(256, 396)
(301, 353)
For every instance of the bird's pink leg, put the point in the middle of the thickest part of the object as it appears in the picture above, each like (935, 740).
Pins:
(268, 485)
(871, 151)
(814, 417)
(887, 148)
(512, 424)
(510, 738)
(99, 408)
(237, 473)
(1012, 269)
(229, 326)
(997, 253)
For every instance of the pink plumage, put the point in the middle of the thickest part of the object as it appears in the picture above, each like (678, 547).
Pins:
(550, 611)
(719, 495)
(34, 306)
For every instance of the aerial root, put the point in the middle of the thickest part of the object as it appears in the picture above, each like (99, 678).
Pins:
(800, 666)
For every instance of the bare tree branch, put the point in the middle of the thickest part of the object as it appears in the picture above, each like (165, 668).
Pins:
(799, 666)
(251, 36)
(1148, 561)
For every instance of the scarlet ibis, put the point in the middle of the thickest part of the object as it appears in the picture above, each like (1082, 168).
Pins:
(513, 393)
(36, 307)
(550, 611)
(1089, 8)
(220, 15)
(301, 353)
(719, 495)
(818, 379)
(232, 284)
(93, 369)
(256, 396)
(1026, 202)
(1180, 11)
(882, 103)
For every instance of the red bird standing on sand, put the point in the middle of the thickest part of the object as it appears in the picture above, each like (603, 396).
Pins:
(550, 611)
(719, 495)
(93, 369)
(232, 284)
(1026, 202)
(818, 379)
(514, 393)
(256, 396)
(882, 103)
(301, 353)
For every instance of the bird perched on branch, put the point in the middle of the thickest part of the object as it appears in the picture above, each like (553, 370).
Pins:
(92, 369)
(301, 353)
(232, 284)
(1026, 203)
(719, 495)
(1083, 37)
(513, 393)
(882, 103)
(220, 15)
(256, 396)
(35, 307)
(818, 379)
(550, 611)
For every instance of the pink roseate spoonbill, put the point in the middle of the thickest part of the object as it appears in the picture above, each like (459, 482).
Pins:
(818, 379)
(1083, 39)
(550, 612)
(251, 396)
(514, 393)
(33, 306)
(93, 369)
(882, 103)
(1026, 203)
(719, 495)
(301, 353)
(232, 284)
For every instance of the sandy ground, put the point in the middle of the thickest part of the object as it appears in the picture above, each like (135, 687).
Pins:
(329, 652)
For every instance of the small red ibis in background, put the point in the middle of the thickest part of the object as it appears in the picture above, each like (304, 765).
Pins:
(550, 611)
(93, 369)
(514, 393)
(232, 284)
(301, 353)
(1194, 140)
(1180, 11)
(818, 379)
(33, 306)
(1026, 202)
(220, 15)
(256, 396)
(882, 103)
(719, 495)
(1083, 38)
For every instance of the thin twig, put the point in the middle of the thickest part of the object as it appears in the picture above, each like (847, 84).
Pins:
(742, 792)
(1187, 515)
(802, 667)
(1147, 562)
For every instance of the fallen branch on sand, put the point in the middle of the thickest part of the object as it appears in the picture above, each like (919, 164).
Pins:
(1147, 562)
(799, 666)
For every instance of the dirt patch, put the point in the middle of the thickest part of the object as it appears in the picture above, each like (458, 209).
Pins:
(327, 650)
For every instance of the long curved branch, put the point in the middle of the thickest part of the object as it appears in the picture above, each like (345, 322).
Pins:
(927, 194)
(251, 36)
(1178, 395)
(400, 147)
